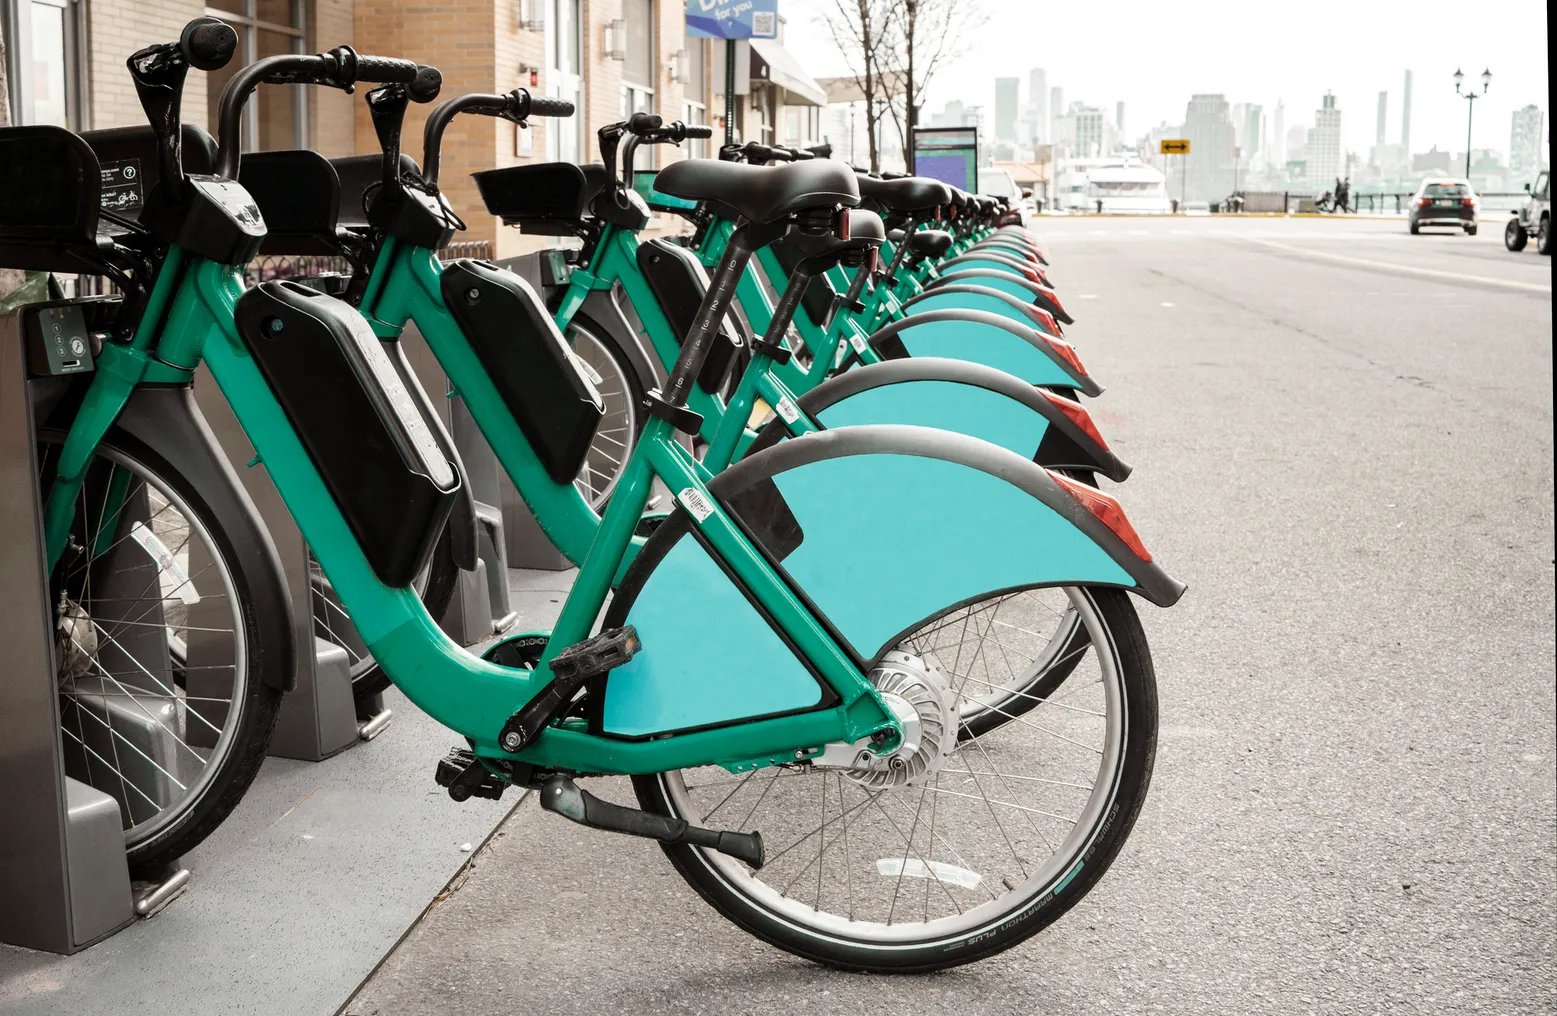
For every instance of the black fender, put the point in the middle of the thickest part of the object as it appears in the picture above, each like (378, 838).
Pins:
(1065, 444)
(1043, 296)
(886, 342)
(166, 419)
(604, 310)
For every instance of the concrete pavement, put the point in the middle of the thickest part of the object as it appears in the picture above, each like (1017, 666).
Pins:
(1343, 443)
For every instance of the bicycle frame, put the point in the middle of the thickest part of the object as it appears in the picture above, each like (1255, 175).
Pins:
(464, 692)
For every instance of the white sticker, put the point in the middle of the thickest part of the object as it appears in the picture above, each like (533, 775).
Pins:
(693, 501)
(787, 410)
(913, 867)
(167, 564)
(857, 341)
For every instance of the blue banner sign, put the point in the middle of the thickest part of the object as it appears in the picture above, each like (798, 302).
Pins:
(732, 19)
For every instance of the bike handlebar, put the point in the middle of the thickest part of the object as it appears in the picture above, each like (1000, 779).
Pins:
(341, 67)
(517, 105)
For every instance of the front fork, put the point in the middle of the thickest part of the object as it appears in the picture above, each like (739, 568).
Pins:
(119, 369)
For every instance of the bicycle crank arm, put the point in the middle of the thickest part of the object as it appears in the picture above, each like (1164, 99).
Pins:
(561, 795)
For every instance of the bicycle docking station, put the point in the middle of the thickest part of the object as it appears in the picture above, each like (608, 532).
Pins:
(63, 871)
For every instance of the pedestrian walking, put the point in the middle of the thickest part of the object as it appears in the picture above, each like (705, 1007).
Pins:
(1343, 196)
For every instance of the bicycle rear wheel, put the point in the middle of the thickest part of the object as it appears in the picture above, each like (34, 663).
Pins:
(961, 854)
(167, 701)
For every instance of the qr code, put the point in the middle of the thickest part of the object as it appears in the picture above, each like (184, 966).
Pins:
(762, 24)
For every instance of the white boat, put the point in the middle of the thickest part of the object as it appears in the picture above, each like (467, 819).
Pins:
(1127, 186)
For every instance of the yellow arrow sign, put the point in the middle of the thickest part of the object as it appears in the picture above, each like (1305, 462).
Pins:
(1179, 146)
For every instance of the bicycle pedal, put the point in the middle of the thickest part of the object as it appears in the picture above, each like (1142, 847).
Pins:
(594, 657)
(465, 777)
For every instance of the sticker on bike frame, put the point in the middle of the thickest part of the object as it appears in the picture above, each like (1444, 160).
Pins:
(913, 867)
(694, 501)
(167, 564)
(787, 409)
(858, 342)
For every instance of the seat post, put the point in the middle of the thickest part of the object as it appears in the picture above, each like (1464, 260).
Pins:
(746, 240)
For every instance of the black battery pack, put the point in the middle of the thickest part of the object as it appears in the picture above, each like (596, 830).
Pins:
(679, 283)
(360, 426)
(528, 360)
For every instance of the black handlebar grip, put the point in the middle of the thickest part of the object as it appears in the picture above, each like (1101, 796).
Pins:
(208, 43)
(699, 132)
(639, 123)
(386, 69)
(540, 105)
(426, 85)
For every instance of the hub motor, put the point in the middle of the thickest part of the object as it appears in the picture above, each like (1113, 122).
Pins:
(919, 695)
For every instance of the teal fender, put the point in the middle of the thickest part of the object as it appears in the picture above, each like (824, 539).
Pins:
(1009, 282)
(965, 398)
(990, 339)
(982, 298)
(882, 529)
(999, 260)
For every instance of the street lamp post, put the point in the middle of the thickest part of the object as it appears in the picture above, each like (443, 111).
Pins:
(1471, 95)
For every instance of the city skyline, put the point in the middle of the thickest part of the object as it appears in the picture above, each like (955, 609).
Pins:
(1211, 47)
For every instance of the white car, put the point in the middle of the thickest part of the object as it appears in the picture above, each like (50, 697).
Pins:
(999, 183)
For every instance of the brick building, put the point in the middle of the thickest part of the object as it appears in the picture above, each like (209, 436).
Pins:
(609, 57)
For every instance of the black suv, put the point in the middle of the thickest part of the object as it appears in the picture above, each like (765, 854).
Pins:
(1444, 203)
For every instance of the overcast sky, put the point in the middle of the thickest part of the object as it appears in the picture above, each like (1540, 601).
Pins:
(1154, 56)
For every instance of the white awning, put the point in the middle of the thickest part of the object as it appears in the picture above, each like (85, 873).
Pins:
(772, 62)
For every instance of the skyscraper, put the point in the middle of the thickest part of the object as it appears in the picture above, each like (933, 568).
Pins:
(1007, 91)
(1209, 167)
(1324, 144)
(1251, 138)
(1524, 143)
(1038, 104)
(1405, 118)
(1383, 117)
(1056, 110)
(1278, 159)
(1119, 118)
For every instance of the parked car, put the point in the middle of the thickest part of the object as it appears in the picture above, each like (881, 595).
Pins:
(1444, 202)
(999, 183)
(1533, 218)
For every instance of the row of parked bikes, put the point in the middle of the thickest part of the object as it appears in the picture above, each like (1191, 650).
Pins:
(875, 673)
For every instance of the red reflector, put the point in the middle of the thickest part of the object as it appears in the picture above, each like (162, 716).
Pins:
(1077, 414)
(1067, 353)
(1108, 512)
(1047, 320)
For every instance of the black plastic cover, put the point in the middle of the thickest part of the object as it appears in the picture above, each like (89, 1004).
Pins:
(298, 194)
(131, 168)
(357, 421)
(49, 187)
(547, 197)
(679, 283)
(818, 298)
(528, 360)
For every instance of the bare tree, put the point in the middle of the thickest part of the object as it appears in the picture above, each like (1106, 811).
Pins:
(926, 34)
(9, 279)
(861, 29)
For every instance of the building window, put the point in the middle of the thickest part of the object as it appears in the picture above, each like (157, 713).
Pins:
(276, 118)
(564, 67)
(695, 110)
(638, 70)
(43, 61)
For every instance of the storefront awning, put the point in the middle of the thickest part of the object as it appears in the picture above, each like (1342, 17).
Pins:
(772, 62)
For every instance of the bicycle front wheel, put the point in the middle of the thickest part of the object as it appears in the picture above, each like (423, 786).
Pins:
(164, 703)
(962, 852)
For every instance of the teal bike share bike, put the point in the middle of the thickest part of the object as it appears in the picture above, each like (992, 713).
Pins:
(780, 682)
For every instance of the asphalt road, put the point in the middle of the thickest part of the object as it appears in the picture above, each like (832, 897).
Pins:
(1343, 443)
